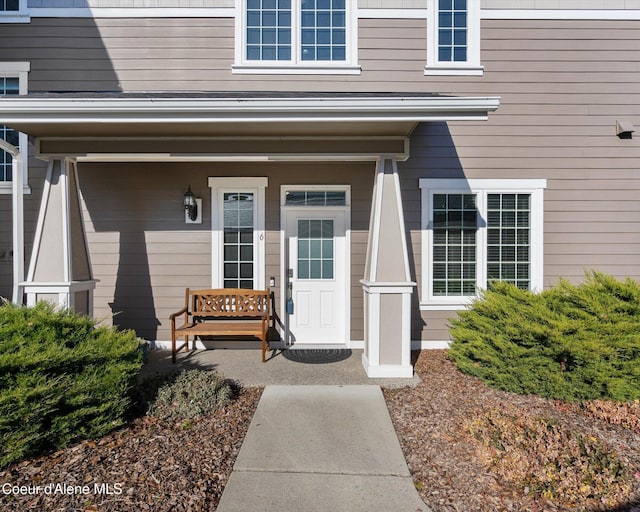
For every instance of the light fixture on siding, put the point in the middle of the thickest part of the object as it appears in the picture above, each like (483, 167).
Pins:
(190, 205)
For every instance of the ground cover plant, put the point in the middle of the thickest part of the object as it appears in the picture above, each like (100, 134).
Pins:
(175, 457)
(571, 342)
(62, 379)
(471, 447)
(190, 394)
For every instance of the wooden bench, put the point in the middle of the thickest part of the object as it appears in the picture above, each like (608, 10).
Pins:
(222, 312)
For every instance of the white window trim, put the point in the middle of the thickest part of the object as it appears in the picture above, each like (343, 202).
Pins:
(472, 66)
(481, 187)
(21, 71)
(347, 67)
(218, 187)
(19, 16)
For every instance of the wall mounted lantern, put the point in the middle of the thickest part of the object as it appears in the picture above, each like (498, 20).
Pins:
(190, 205)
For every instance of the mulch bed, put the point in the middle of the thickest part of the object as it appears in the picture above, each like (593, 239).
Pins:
(429, 421)
(179, 466)
(149, 465)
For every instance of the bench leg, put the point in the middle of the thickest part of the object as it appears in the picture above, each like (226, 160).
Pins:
(173, 346)
(265, 345)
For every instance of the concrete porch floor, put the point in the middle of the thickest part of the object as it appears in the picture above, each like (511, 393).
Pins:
(245, 367)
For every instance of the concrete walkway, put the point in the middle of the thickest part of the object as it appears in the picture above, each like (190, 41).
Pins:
(245, 367)
(321, 449)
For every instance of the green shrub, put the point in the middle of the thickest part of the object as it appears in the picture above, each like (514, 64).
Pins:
(191, 393)
(62, 379)
(571, 342)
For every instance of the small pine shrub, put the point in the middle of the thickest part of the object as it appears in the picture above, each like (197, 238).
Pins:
(572, 342)
(190, 394)
(547, 461)
(62, 379)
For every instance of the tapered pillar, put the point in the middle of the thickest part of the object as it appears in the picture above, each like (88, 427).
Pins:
(387, 285)
(60, 271)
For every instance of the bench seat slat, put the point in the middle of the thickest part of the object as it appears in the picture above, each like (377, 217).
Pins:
(220, 327)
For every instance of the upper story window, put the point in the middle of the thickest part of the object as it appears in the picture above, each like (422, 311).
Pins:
(296, 36)
(9, 86)
(9, 5)
(453, 37)
(13, 81)
(479, 231)
(13, 11)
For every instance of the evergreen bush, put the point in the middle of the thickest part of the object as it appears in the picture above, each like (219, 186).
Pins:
(62, 379)
(571, 342)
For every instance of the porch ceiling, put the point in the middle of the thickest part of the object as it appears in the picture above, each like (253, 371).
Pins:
(122, 115)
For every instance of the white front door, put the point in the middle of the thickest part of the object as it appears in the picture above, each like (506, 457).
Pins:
(316, 261)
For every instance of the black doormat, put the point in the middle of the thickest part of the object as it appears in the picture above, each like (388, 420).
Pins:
(316, 355)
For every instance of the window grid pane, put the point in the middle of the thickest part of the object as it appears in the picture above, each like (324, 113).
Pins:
(8, 86)
(508, 239)
(315, 198)
(315, 249)
(323, 30)
(268, 30)
(454, 244)
(9, 5)
(238, 240)
(452, 30)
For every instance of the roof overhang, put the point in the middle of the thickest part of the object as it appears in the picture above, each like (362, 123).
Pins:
(99, 116)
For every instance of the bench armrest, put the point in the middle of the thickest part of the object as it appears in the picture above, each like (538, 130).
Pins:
(178, 313)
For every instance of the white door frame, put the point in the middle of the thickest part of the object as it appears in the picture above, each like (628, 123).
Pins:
(347, 251)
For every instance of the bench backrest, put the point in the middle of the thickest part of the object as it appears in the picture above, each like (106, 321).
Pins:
(228, 302)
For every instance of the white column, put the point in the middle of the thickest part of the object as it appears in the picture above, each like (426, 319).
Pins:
(18, 226)
(60, 271)
(387, 285)
(17, 205)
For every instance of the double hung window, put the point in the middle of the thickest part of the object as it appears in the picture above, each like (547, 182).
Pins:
(9, 86)
(13, 81)
(453, 37)
(311, 35)
(476, 232)
(9, 6)
(13, 11)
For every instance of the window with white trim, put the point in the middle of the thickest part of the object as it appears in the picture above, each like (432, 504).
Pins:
(9, 86)
(13, 11)
(238, 232)
(13, 81)
(478, 231)
(9, 5)
(453, 37)
(296, 35)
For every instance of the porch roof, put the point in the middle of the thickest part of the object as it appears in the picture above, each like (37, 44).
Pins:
(129, 115)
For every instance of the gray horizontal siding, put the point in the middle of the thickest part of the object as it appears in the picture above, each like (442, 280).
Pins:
(563, 85)
(564, 4)
(193, 54)
(129, 4)
(144, 255)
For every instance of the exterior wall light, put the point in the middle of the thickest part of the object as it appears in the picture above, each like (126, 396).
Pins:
(190, 205)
